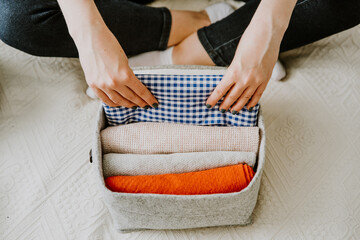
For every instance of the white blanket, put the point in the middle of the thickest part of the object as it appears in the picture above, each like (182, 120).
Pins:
(311, 184)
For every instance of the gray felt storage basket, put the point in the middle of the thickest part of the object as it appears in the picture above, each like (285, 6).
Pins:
(158, 211)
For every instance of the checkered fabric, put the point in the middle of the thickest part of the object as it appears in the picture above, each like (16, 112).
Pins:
(181, 100)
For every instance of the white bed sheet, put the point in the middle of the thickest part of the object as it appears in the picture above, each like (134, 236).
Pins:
(310, 187)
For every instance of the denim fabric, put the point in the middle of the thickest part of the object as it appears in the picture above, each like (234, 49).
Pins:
(311, 20)
(38, 27)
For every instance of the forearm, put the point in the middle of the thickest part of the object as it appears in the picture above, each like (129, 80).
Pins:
(103, 60)
(268, 26)
(274, 15)
(255, 57)
(82, 17)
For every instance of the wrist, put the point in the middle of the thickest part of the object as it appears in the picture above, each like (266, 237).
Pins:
(257, 41)
(82, 18)
(87, 31)
(268, 28)
(273, 16)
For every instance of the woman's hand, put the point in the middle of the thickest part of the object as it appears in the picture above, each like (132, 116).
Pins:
(107, 71)
(249, 72)
(103, 60)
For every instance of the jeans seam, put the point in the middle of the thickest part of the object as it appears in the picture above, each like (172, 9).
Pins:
(226, 43)
(215, 56)
(165, 34)
(300, 3)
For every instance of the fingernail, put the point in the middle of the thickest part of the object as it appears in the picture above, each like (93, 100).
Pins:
(147, 106)
(223, 110)
(208, 105)
(250, 109)
(134, 107)
(155, 105)
(234, 112)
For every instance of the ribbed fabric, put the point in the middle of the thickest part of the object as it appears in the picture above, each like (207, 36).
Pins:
(151, 164)
(217, 180)
(160, 138)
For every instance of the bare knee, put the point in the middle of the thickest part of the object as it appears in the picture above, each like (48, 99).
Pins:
(191, 52)
(185, 23)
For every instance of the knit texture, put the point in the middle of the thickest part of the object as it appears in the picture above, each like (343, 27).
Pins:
(217, 180)
(151, 164)
(160, 138)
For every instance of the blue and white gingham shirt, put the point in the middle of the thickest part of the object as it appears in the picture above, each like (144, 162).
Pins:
(181, 100)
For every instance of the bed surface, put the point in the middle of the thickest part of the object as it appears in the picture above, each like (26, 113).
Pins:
(311, 183)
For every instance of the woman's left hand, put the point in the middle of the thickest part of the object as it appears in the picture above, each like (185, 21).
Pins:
(248, 74)
(255, 57)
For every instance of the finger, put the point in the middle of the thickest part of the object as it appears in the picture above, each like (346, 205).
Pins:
(103, 97)
(141, 90)
(119, 100)
(243, 99)
(234, 93)
(219, 91)
(128, 94)
(256, 96)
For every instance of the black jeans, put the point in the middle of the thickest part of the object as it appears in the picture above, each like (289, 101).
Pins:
(311, 20)
(38, 26)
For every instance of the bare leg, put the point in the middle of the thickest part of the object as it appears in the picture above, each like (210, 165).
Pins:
(183, 36)
(191, 52)
(183, 30)
(188, 52)
(185, 23)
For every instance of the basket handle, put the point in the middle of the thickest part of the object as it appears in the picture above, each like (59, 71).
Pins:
(90, 156)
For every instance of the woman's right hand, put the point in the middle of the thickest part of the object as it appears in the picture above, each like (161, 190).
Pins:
(103, 60)
(107, 71)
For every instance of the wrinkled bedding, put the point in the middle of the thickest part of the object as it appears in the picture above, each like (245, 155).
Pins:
(311, 183)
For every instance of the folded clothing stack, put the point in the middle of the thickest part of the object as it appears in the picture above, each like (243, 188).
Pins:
(181, 100)
(164, 138)
(170, 158)
(216, 180)
(154, 164)
(175, 148)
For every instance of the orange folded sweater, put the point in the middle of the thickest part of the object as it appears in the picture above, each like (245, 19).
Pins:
(217, 180)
